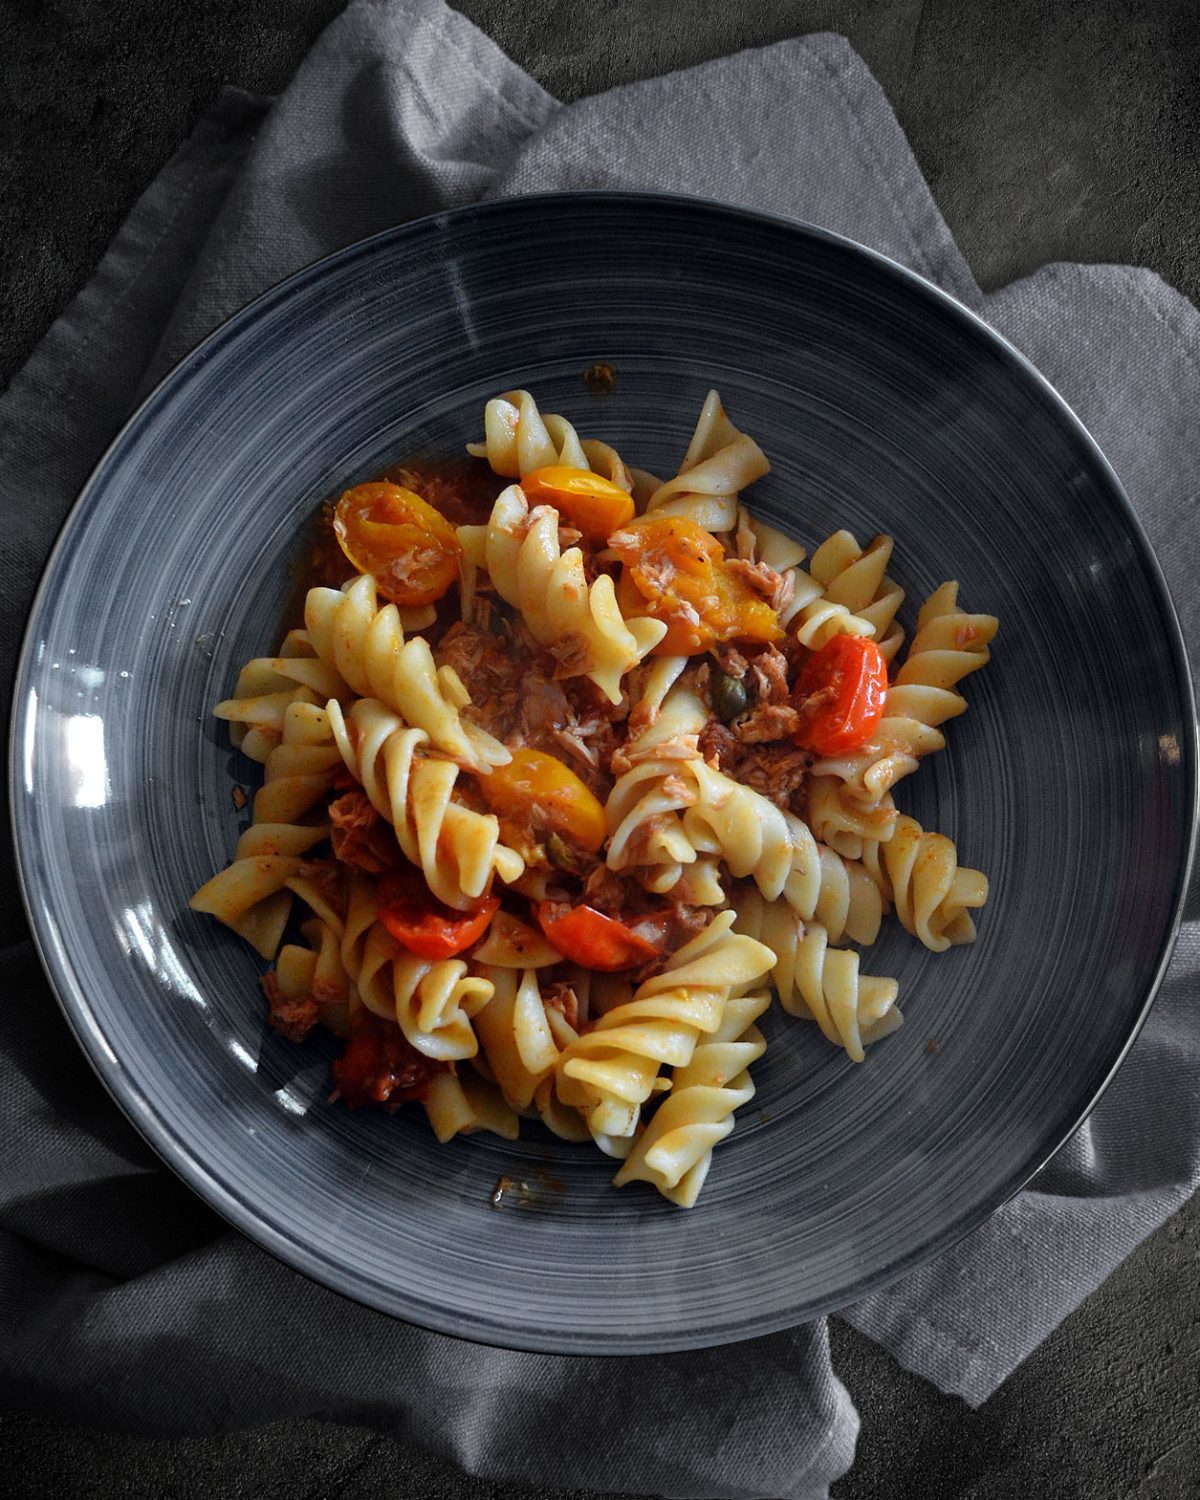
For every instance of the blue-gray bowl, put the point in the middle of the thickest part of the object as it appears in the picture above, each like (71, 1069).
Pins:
(883, 405)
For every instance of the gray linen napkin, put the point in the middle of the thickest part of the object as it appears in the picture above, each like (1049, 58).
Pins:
(123, 1301)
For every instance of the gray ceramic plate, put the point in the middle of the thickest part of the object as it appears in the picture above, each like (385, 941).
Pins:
(883, 406)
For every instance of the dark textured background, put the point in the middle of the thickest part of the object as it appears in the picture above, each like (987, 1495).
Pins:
(1048, 129)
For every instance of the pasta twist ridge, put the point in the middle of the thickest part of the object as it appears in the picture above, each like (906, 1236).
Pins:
(365, 644)
(720, 462)
(518, 438)
(674, 1152)
(268, 686)
(818, 982)
(948, 646)
(611, 1070)
(457, 848)
(253, 894)
(580, 623)
(778, 851)
(522, 1039)
(933, 895)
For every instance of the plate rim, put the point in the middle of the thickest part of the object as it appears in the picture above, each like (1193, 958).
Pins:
(122, 1086)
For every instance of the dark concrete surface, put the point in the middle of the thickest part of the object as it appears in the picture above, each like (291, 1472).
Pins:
(1048, 129)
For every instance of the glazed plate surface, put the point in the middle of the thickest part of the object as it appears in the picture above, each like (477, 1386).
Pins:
(883, 406)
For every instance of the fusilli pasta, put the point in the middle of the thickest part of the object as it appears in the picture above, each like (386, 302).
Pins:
(545, 840)
(580, 622)
(457, 848)
(674, 1152)
(609, 1072)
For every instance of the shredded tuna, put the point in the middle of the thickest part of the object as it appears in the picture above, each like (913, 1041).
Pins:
(604, 889)
(767, 721)
(560, 996)
(769, 674)
(572, 654)
(777, 771)
(678, 790)
(326, 876)
(491, 674)
(380, 1066)
(360, 837)
(642, 836)
(678, 747)
(719, 745)
(292, 1016)
(666, 921)
(730, 660)
(759, 576)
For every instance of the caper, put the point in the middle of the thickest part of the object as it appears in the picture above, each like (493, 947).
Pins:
(728, 696)
(561, 855)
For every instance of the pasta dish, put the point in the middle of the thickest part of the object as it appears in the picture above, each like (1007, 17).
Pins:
(567, 768)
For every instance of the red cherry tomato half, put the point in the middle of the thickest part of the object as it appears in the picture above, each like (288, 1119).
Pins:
(379, 1066)
(589, 938)
(840, 694)
(422, 924)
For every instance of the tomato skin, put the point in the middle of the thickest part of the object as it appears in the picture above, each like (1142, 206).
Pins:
(840, 695)
(534, 778)
(592, 504)
(589, 938)
(380, 1066)
(410, 549)
(676, 572)
(419, 922)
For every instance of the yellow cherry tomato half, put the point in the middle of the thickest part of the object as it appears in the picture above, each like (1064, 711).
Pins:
(535, 779)
(409, 548)
(676, 572)
(592, 504)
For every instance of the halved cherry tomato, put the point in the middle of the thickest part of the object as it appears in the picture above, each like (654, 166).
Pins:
(411, 551)
(587, 937)
(380, 1066)
(592, 504)
(840, 695)
(532, 778)
(675, 571)
(419, 921)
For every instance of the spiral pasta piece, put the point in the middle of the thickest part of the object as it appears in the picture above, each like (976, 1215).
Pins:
(777, 850)
(457, 848)
(948, 646)
(818, 982)
(856, 578)
(580, 623)
(365, 644)
(644, 830)
(514, 1031)
(432, 1000)
(464, 1104)
(610, 1071)
(299, 771)
(268, 686)
(720, 462)
(842, 822)
(674, 1152)
(518, 438)
(253, 895)
(933, 895)
(521, 1039)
